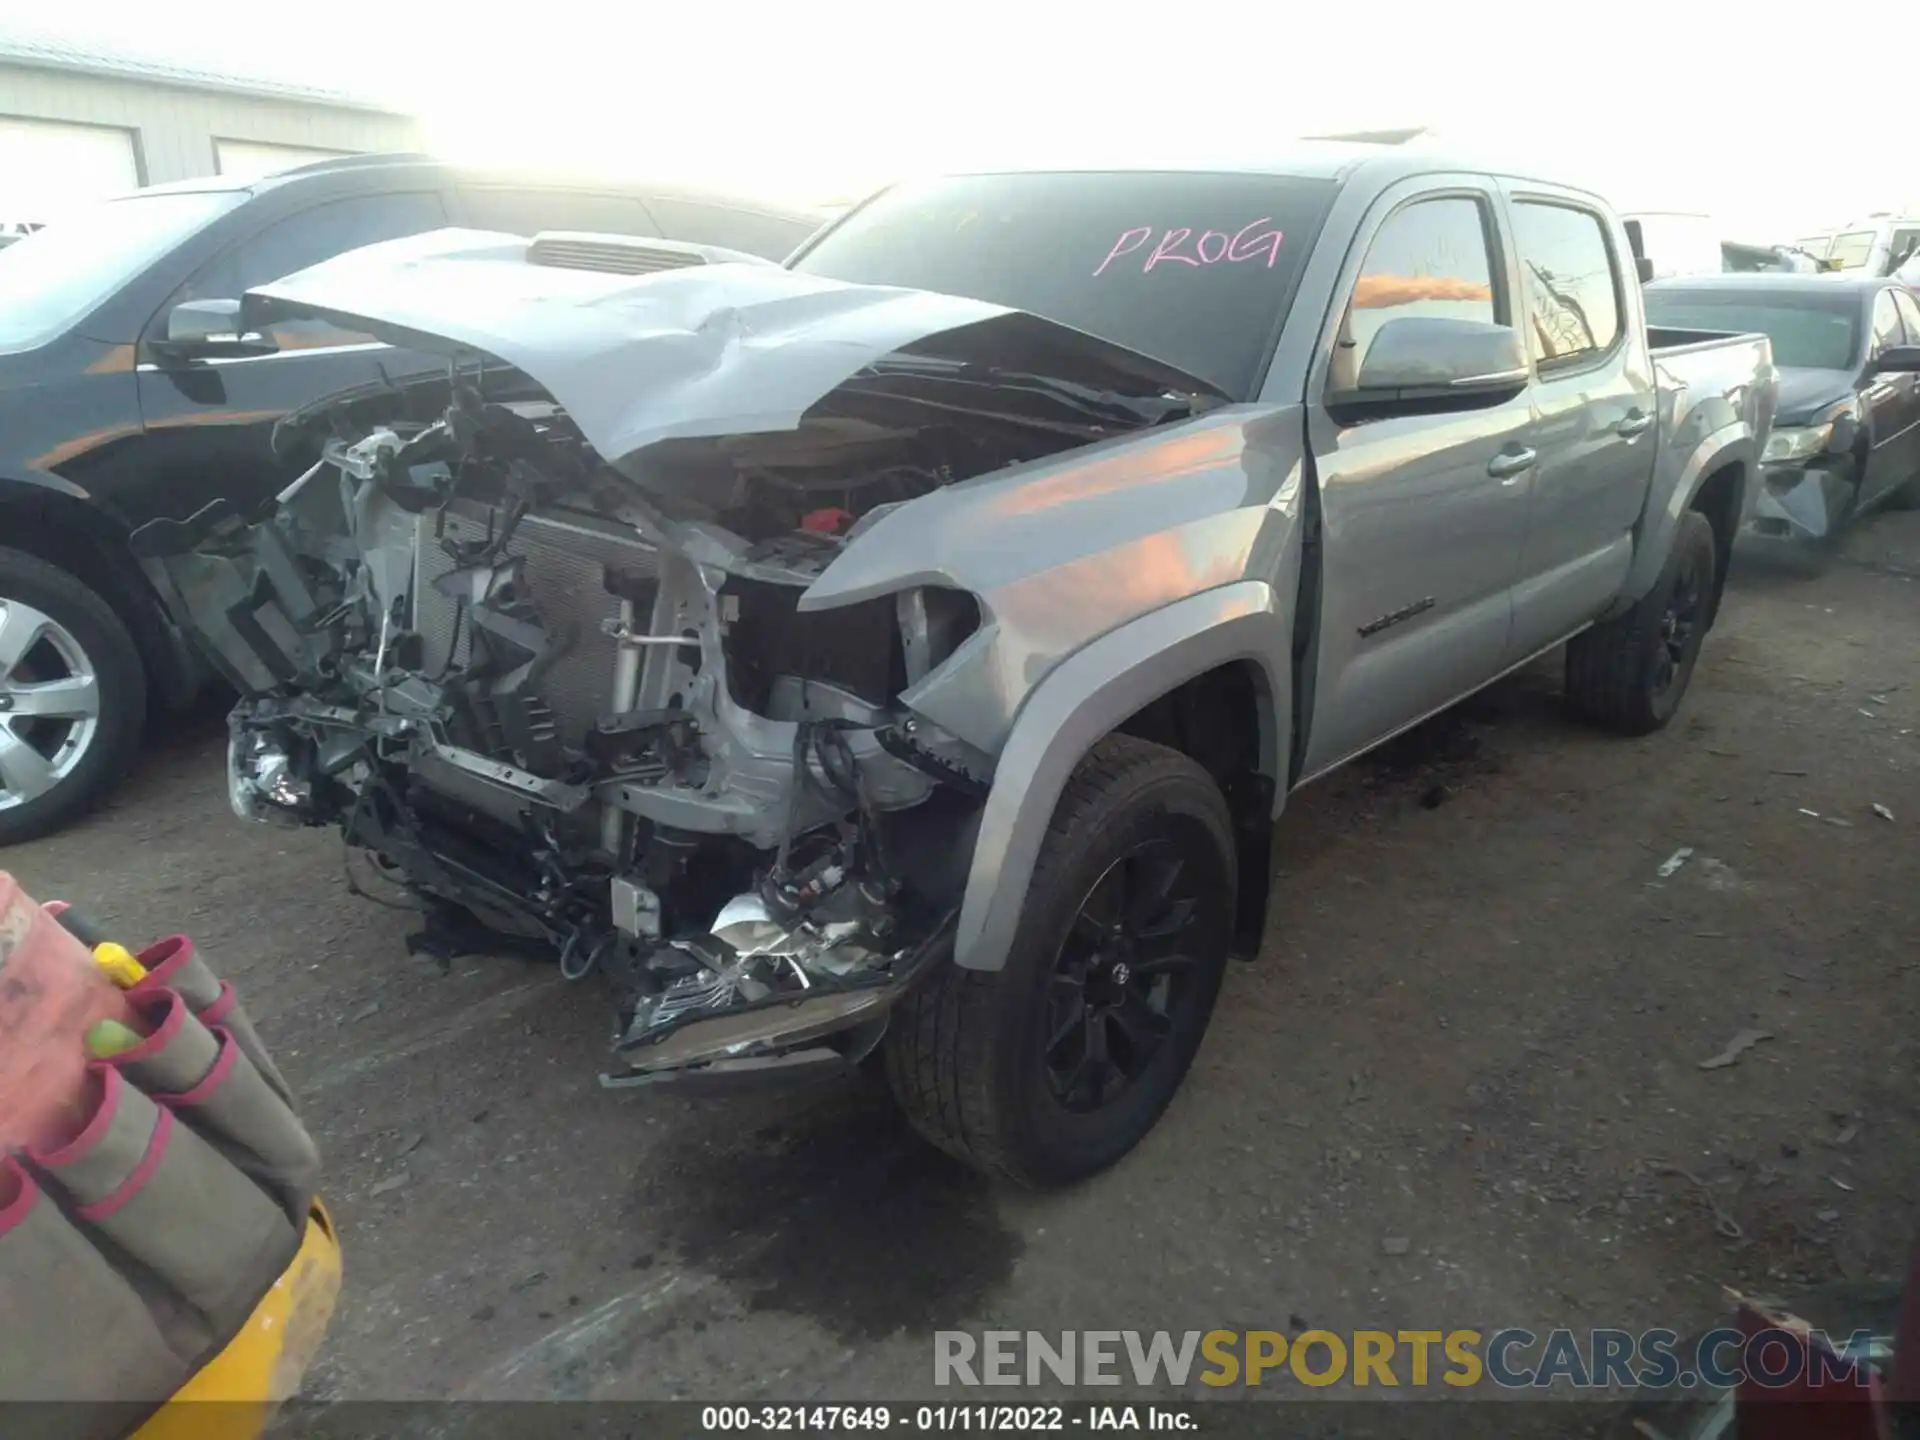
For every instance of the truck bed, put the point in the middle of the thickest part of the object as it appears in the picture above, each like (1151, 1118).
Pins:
(1708, 380)
(1664, 339)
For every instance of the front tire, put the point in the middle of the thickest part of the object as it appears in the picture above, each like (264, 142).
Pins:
(73, 697)
(1630, 673)
(1054, 1067)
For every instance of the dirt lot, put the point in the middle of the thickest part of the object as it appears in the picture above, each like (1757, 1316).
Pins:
(1477, 1027)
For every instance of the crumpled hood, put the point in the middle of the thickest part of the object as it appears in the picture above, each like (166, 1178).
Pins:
(678, 354)
(1805, 393)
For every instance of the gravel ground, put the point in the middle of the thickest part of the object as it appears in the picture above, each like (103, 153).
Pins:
(1477, 1029)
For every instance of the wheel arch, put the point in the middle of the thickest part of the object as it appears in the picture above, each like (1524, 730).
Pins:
(62, 527)
(1727, 459)
(1720, 497)
(1240, 634)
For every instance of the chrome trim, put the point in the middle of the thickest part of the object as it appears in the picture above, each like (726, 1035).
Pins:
(148, 367)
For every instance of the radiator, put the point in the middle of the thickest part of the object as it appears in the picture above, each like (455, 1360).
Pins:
(564, 553)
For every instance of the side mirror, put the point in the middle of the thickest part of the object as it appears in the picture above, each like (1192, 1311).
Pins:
(1637, 244)
(1433, 359)
(1898, 358)
(210, 329)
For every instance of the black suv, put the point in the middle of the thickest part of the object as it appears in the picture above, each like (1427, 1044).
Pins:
(120, 403)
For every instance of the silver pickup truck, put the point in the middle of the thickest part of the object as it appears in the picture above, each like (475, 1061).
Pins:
(905, 652)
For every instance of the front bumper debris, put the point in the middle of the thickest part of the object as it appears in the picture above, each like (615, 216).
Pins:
(1804, 501)
(779, 1035)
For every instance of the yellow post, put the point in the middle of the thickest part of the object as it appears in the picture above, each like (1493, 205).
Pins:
(233, 1395)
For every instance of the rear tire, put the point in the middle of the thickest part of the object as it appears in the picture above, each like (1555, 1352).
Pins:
(1907, 497)
(1054, 1067)
(1630, 673)
(54, 632)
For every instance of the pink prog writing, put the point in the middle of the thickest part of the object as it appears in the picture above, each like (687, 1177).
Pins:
(1178, 246)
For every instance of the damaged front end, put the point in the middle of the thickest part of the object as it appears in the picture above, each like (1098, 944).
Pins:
(566, 694)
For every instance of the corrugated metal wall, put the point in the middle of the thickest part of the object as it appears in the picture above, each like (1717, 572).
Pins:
(174, 128)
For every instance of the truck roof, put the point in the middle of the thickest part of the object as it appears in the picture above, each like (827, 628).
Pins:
(428, 168)
(1337, 160)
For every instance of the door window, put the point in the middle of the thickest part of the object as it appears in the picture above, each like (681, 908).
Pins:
(1909, 313)
(1431, 257)
(1887, 329)
(528, 212)
(304, 239)
(1905, 243)
(1572, 284)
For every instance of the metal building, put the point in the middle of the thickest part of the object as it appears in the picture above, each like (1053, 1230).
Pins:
(78, 122)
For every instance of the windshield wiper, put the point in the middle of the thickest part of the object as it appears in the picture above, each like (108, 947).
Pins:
(1090, 401)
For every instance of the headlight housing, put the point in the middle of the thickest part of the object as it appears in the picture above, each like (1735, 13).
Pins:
(1796, 442)
(1831, 433)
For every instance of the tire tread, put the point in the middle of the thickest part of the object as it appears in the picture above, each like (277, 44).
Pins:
(1606, 665)
(939, 1046)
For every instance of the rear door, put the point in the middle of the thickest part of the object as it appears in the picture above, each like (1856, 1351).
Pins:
(1892, 402)
(1422, 514)
(1593, 416)
(209, 422)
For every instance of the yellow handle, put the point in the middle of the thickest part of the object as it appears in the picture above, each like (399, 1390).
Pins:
(118, 962)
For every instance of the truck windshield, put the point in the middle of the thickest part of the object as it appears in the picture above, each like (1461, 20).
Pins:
(1850, 251)
(1193, 270)
(55, 276)
(1809, 332)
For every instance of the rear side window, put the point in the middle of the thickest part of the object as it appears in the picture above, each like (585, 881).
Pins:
(769, 236)
(527, 212)
(1429, 258)
(1887, 329)
(306, 238)
(1572, 287)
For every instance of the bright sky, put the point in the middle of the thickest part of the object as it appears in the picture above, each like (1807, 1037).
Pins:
(1682, 105)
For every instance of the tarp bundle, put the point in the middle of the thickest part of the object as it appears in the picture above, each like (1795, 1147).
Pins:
(132, 1250)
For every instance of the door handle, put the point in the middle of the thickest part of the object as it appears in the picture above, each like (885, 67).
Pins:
(1510, 463)
(1635, 423)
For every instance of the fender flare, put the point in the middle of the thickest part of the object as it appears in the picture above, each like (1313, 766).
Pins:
(1730, 445)
(1081, 701)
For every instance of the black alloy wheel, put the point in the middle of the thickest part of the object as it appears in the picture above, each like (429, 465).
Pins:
(1680, 624)
(1054, 1066)
(1121, 976)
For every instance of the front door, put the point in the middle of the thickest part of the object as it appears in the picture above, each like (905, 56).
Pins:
(1892, 402)
(1594, 418)
(208, 423)
(1422, 515)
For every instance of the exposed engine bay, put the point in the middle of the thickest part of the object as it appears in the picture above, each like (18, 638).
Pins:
(571, 701)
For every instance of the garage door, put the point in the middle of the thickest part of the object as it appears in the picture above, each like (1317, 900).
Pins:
(249, 160)
(45, 166)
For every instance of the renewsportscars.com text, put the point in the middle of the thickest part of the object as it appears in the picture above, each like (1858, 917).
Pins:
(1511, 1359)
